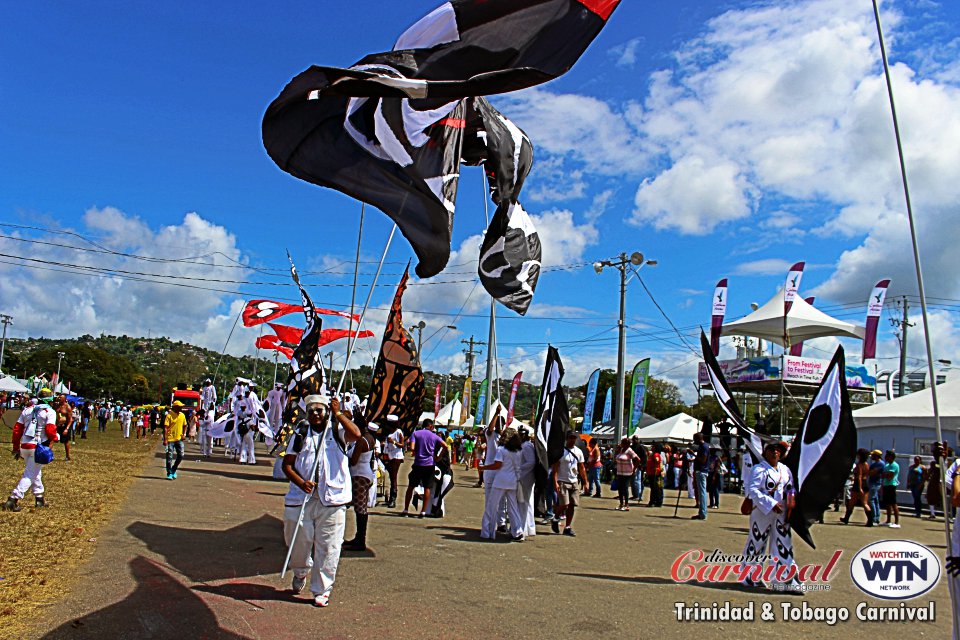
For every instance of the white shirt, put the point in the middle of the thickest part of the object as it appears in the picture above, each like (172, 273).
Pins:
(35, 419)
(125, 417)
(769, 485)
(333, 473)
(393, 449)
(569, 462)
(364, 466)
(951, 472)
(208, 397)
(528, 462)
(508, 476)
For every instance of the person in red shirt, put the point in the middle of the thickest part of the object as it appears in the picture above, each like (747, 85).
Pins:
(37, 424)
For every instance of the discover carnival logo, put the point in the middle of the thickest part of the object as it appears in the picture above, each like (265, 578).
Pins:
(895, 569)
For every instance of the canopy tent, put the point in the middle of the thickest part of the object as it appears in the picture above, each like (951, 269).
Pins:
(677, 429)
(915, 409)
(10, 385)
(802, 323)
(608, 430)
(449, 415)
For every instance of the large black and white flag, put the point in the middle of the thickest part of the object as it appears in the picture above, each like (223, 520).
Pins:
(510, 257)
(389, 130)
(553, 416)
(718, 381)
(505, 151)
(824, 449)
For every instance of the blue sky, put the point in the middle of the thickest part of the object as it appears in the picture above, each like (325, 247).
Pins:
(722, 139)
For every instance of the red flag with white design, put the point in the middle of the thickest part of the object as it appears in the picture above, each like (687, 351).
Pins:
(273, 343)
(260, 311)
(874, 309)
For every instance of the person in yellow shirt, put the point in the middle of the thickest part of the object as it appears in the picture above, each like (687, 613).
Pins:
(174, 428)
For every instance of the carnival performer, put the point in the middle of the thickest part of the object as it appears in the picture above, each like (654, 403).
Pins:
(206, 440)
(525, 497)
(316, 549)
(126, 418)
(393, 454)
(362, 478)
(770, 488)
(276, 399)
(251, 419)
(232, 439)
(507, 463)
(444, 485)
(208, 395)
(494, 514)
(36, 425)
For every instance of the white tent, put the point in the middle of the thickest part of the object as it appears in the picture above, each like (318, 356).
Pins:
(803, 323)
(449, 415)
(679, 428)
(10, 385)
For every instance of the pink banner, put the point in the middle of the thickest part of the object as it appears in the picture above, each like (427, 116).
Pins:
(513, 396)
(797, 349)
(874, 309)
(436, 401)
(719, 311)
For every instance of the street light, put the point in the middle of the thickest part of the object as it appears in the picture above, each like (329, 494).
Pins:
(635, 259)
(419, 327)
(5, 319)
(60, 355)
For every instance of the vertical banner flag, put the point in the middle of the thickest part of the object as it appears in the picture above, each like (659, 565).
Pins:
(607, 407)
(789, 293)
(553, 416)
(467, 399)
(719, 311)
(513, 396)
(797, 349)
(590, 401)
(638, 394)
(481, 405)
(436, 402)
(874, 308)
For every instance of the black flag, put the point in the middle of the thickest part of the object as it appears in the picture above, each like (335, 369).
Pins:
(510, 257)
(388, 131)
(824, 449)
(307, 376)
(397, 387)
(553, 417)
(719, 383)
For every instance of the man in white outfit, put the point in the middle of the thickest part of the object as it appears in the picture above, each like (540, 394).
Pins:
(494, 513)
(276, 399)
(318, 469)
(770, 487)
(126, 417)
(208, 395)
(525, 494)
(36, 425)
(203, 432)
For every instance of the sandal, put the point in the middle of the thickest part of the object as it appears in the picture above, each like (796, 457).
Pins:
(322, 600)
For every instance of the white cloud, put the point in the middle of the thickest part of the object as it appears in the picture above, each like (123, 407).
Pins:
(626, 53)
(766, 267)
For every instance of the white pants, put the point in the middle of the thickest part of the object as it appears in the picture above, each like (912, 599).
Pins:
(232, 444)
(317, 548)
(31, 476)
(517, 522)
(690, 493)
(206, 442)
(770, 531)
(126, 429)
(525, 500)
(494, 514)
(246, 449)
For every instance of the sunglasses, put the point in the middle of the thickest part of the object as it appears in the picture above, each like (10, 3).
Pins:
(316, 410)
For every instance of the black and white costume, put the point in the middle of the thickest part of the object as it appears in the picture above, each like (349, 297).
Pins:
(769, 486)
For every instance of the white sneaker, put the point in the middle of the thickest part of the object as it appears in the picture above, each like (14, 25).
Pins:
(298, 584)
(894, 526)
(322, 600)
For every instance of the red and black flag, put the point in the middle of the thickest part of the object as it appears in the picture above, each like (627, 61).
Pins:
(388, 131)
(260, 311)
(397, 387)
(823, 451)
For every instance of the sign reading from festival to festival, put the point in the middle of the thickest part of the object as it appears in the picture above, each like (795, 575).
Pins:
(797, 369)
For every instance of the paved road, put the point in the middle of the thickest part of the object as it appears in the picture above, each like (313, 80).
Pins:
(199, 558)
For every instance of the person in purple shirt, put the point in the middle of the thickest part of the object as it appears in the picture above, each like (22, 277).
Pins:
(424, 443)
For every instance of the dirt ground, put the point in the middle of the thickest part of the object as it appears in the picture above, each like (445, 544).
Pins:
(199, 557)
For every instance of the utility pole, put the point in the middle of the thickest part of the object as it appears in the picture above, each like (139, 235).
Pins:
(903, 324)
(5, 319)
(471, 353)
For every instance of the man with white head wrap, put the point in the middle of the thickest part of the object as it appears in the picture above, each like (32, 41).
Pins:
(319, 442)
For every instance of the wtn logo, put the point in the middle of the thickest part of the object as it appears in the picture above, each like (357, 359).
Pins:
(903, 570)
(895, 569)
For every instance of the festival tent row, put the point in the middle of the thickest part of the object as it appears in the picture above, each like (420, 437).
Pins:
(678, 429)
(607, 430)
(10, 385)
(450, 415)
(906, 424)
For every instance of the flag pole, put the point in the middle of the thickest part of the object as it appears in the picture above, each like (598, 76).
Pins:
(346, 366)
(230, 335)
(351, 339)
(944, 504)
(492, 326)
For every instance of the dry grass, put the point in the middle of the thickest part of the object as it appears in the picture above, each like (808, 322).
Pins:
(40, 549)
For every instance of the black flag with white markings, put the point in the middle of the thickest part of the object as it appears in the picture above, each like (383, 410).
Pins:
(824, 449)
